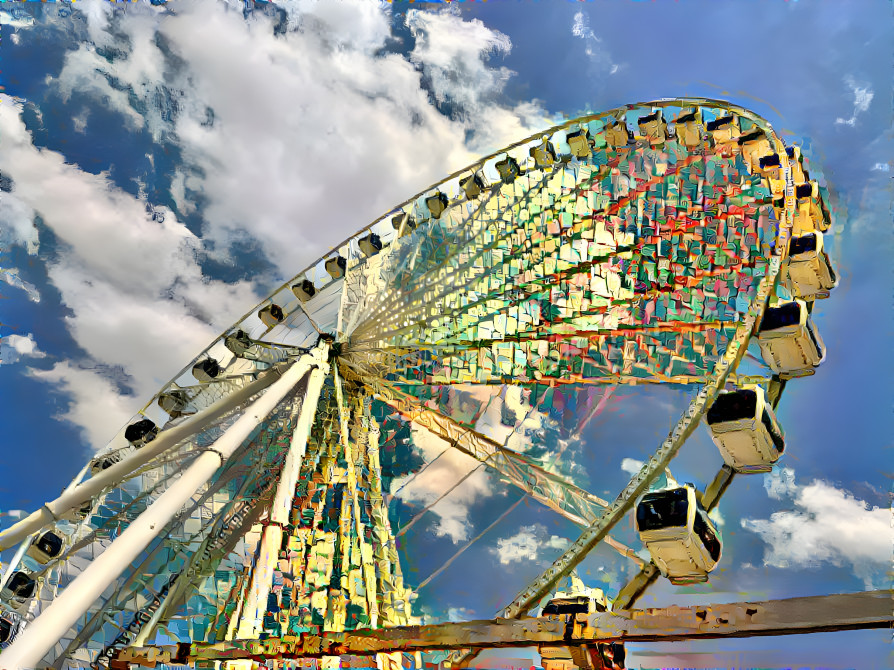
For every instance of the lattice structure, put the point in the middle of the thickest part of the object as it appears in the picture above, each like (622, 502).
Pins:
(637, 246)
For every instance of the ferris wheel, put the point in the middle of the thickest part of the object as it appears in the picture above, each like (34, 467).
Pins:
(642, 245)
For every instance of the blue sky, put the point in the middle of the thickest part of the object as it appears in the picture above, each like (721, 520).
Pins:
(266, 137)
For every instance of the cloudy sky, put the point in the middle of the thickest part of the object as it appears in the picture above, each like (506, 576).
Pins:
(164, 168)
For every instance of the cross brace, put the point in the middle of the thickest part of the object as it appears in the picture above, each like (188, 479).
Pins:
(850, 611)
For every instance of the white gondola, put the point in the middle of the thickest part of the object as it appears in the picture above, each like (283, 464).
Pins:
(304, 290)
(46, 547)
(789, 344)
(18, 591)
(508, 169)
(617, 135)
(100, 463)
(271, 315)
(688, 127)
(472, 185)
(653, 127)
(810, 212)
(543, 155)
(336, 267)
(370, 244)
(437, 204)
(173, 401)
(238, 342)
(724, 132)
(744, 428)
(676, 530)
(810, 273)
(580, 600)
(754, 145)
(580, 143)
(141, 432)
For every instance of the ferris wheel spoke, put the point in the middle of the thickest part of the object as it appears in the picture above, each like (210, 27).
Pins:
(656, 464)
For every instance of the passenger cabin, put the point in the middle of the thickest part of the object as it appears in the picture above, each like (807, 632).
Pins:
(580, 143)
(6, 626)
(789, 344)
(398, 221)
(304, 290)
(472, 185)
(19, 587)
(617, 135)
(688, 128)
(653, 127)
(271, 315)
(206, 370)
(810, 273)
(173, 402)
(437, 204)
(568, 604)
(508, 169)
(45, 548)
(770, 167)
(141, 432)
(370, 244)
(238, 342)
(744, 428)
(810, 212)
(336, 266)
(543, 155)
(796, 161)
(100, 463)
(754, 145)
(676, 530)
(724, 131)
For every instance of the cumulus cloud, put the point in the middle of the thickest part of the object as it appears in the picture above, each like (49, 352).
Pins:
(17, 224)
(595, 49)
(11, 277)
(863, 95)
(828, 525)
(631, 465)
(780, 483)
(137, 296)
(95, 405)
(286, 120)
(435, 480)
(15, 347)
(528, 544)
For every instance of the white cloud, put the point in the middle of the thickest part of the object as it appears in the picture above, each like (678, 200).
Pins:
(881, 167)
(95, 406)
(279, 135)
(527, 544)
(353, 122)
(433, 481)
(17, 224)
(829, 525)
(594, 48)
(863, 95)
(780, 483)
(460, 614)
(11, 277)
(15, 347)
(631, 465)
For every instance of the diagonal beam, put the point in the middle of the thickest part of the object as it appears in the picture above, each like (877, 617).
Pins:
(593, 535)
(813, 614)
(572, 502)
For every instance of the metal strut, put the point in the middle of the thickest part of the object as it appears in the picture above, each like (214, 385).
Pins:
(40, 636)
(849, 611)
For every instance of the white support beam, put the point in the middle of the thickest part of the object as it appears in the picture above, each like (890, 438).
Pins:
(40, 636)
(73, 497)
